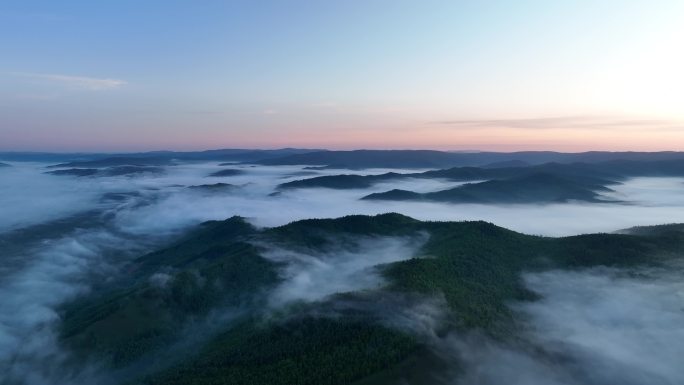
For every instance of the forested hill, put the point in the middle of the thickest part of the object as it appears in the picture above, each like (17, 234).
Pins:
(612, 171)
(533, 188)
(109, 171)
(219, 279)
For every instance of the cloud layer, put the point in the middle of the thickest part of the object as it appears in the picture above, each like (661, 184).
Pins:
(593, 327)
(567, 122)
(606, 323)
(348, 266)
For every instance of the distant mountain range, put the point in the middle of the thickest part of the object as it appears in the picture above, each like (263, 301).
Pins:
(360, 159)
(356, 159)
(148, 158)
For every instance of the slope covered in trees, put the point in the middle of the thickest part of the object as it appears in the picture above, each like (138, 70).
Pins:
(533, 188)
(109, 171)
(612, 171)
(219, 268)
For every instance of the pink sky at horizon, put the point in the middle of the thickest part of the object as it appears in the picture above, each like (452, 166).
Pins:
(502, 76)
(428, 136)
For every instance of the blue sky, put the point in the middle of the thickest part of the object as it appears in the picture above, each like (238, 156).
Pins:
(136, 75)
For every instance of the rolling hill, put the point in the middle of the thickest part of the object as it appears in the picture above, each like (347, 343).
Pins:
(109, 171)
(133, 324)
(344, 181)
(226, 172)
(116, 161)
(532, 188)
(213, 188)
(604, 173)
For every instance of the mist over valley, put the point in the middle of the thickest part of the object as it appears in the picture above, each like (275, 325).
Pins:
(166, 275)
(339, 192)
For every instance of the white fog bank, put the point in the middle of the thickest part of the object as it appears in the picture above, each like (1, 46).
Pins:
(28, 196)
(591, 327)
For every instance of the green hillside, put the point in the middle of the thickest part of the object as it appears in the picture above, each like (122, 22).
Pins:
(532, 188)
(474, 266)
(605, 173)
(109, 171)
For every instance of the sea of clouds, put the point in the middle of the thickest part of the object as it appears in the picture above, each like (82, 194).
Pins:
(593, 325)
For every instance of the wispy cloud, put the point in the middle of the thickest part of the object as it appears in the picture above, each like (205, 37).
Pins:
(564, 122)
(80, 82)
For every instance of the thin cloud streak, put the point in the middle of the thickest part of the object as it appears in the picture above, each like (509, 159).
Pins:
(565, 122)
(80, 82)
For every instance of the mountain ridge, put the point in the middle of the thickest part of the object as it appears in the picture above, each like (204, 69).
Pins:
(474, 266)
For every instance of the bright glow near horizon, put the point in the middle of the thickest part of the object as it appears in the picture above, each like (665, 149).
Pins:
(503, 75)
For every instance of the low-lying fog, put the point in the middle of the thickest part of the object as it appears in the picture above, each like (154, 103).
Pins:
(592, 327)
(28, 197)
(312, 276)
(40, 272)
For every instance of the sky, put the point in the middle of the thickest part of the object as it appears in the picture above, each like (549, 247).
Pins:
(452, 75)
